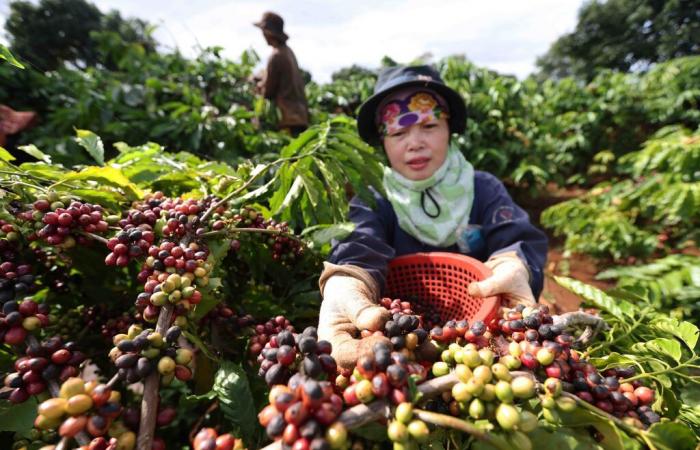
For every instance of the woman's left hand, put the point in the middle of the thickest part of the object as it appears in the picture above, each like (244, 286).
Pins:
(510, 279)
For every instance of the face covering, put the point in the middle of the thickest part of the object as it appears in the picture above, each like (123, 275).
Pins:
(434, 210)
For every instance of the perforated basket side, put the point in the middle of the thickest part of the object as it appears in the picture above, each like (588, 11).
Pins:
(438, 281)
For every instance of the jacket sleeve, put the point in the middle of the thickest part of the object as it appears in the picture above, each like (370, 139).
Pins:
(272, 76)
(367, 246)
(507, 228)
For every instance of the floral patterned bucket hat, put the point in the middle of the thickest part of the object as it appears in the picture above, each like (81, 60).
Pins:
(401, 77)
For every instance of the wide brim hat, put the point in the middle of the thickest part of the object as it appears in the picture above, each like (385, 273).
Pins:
(274, 24)
(401, 77)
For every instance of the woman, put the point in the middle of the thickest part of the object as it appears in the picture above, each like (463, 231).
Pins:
(435, 201)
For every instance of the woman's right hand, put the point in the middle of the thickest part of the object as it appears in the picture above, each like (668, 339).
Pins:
(346, 309)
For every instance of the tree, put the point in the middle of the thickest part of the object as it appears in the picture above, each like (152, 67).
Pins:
(353, 72)
(57, 31)
(624, 35)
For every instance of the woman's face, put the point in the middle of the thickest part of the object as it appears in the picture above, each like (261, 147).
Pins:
(416, 152)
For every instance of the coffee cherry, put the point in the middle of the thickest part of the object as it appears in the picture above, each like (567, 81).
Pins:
(508, 416)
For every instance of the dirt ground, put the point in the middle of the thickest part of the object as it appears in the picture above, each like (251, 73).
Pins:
(580, 267)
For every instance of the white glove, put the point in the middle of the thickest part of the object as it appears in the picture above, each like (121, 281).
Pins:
(349, 306)
(510, 279)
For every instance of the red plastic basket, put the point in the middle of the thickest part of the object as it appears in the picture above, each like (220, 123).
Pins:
(438, 282)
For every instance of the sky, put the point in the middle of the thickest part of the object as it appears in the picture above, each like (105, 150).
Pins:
(326, 35)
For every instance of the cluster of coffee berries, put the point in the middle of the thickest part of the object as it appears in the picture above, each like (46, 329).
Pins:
(284, 246)
(80, 407)
(131, 416)
(381, 374)
(177, 289)
(8, 233)
(58, 224)
(173, 258)
(130, 421)
(140, 352)
(66, 323)
(543, 348)
(406, 430)
(109, 323)
(227, 323)
(34, 438)
(127, 245)
(526, 338)
(209, 439)
(19, 318)
(608, 391)
(486, 388)
(223, 315)
(51, 360)
(461, 332)
(287, 352)
(15, 279)
(265, 331)
(145, 212)
(163, 288)
(530, 324)
(404, 332)
(101, 443)
(182, 216)
(302, 415)
(397, 306)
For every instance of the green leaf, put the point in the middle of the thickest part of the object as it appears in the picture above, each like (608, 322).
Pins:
(123, 147)
(190, 401)
(5, 155)
(373, 431)
(92, 144)
(620, 309)
(562, 439)
(292, 194)
(174, 183)
(660, 346)
(312, 186)
(302, 142)
(109, 176)
(691, 395)
(193, 338)
(285, 176)
(671, 436)
(323, 234)
(613, 360)
(612, 438)
(9, 57)
(17, 418)
(336, 198)
(253, 194)
(685, 331)
(108, 199)
(32, 150)
(236, 399)
(43, 170)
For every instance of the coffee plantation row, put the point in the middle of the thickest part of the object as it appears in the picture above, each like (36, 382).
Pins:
(158, 300)
(526, 131)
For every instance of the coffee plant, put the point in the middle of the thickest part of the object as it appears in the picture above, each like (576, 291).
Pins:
(650, 216)
(160, 300)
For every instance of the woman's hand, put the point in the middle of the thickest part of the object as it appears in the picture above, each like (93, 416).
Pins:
(510, 279)
(347, 308)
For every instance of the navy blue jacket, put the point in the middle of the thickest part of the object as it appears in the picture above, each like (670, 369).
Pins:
(504, 227)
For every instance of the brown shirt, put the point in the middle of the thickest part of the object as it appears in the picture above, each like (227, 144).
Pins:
(284, 85)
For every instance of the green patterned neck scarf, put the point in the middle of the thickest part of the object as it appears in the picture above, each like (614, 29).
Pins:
(432, 210)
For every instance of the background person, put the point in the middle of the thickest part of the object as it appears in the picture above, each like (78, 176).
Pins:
(282, 81)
